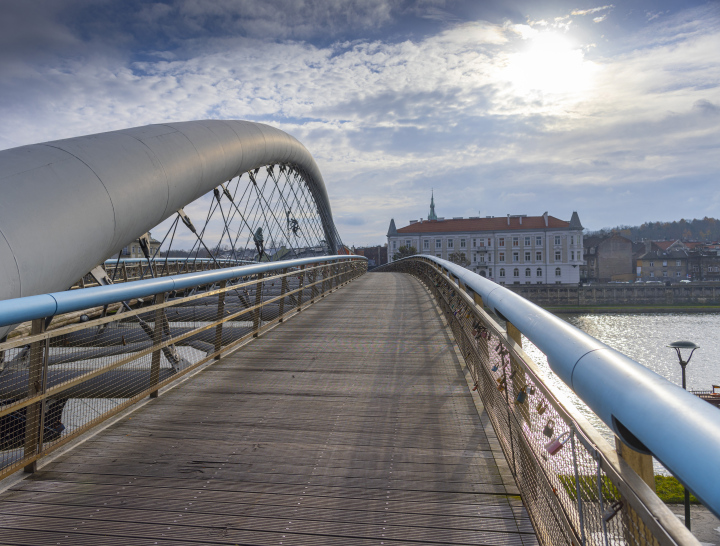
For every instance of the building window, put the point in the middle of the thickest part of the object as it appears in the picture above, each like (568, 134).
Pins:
(502, 272)
(438, 255)
(527, 241)
(678, 262)
(501, 241)
(474, 243)
(462, 243)
(516, 257)
(481, 243)
(489, 242)
(482, 258)
(572, 254)
(538, 240)
(558, 272)
(558, 256)
(652, 264)
(538, 256)
(664, 273)
(572, 239)
(516, 272)
(501, 256)
(538, 272)
(451, 244)
(652, 274)
(527, 256)
(677, 274)
(528, 273)
(516, 241)
(438, 243)
(426, 244)
(557, 239)
(664, 263)
(394, 245)
(408, 243)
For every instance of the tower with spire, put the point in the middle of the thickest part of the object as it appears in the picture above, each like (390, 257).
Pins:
(432, 215)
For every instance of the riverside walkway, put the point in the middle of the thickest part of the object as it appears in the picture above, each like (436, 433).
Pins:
(351, 424)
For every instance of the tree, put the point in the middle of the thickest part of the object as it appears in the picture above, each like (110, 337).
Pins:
(404, 252)
(459, 258)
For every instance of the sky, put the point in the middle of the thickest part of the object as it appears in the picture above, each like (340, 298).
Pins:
(499, 107)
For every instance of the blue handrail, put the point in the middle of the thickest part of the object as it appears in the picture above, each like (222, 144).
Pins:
(641, 407)
(17, 310)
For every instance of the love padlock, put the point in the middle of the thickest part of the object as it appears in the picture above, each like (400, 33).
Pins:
(522, 396)
(549, 429)
(532, 390)
(541, 408)
(494, 368)
(555, 445)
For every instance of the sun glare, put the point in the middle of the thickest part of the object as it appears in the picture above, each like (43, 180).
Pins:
(549, 65)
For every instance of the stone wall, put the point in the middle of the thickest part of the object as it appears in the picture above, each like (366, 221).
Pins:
(620, 294)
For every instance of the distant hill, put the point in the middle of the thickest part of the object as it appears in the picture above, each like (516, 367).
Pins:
(705, 230)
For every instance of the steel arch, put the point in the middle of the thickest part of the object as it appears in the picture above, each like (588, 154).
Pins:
(67, 205)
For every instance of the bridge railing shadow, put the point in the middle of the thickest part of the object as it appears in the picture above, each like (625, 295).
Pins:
(94, 352)
(575, 486)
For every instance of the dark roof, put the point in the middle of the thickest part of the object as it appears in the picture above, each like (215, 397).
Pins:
(664, 255)
(575, 221)
(391, 229)
(484, 224)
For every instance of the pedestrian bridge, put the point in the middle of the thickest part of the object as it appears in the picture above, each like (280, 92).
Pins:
(299, 399)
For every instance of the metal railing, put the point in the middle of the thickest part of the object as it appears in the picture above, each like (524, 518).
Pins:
(575, 486)
(55, 385)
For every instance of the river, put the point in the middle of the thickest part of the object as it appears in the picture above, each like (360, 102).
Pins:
(644, 337)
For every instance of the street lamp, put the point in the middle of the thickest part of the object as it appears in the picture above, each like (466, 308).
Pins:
(679, 346)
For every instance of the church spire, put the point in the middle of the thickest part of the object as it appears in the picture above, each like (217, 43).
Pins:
(432, 215)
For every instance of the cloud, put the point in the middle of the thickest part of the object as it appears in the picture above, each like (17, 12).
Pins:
(387, 119)
(592, 10)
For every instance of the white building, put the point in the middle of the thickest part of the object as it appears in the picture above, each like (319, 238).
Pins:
(516, 249)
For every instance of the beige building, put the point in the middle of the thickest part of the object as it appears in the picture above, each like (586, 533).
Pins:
(134, 249)
(607, 258)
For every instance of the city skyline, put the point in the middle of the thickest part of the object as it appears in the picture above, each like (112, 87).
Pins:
(506, 107)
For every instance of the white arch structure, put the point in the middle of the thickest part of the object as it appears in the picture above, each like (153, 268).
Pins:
(67, 205)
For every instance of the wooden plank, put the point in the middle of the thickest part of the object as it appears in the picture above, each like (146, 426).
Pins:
(350, 424)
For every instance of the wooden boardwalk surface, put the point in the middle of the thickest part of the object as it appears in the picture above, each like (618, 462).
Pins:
(351, 424)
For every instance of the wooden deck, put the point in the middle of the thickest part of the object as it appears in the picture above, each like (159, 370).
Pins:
(351, 424)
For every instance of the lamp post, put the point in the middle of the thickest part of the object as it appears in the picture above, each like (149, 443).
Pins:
(678, 346)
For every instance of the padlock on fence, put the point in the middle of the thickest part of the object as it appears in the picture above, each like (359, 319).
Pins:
(521, 396)
(541, 408)
(555, 445)
(612, 511)
(495, 368)
(549, 429)
(532, 390)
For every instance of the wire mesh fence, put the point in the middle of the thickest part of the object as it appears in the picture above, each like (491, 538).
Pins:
(59, 382)
(568, 476)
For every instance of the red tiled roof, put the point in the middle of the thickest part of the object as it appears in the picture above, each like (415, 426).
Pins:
(483, 224)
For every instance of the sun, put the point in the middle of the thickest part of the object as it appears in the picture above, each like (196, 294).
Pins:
(550, 65)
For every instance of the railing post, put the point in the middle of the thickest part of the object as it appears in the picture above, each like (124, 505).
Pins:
(313, 286)
(641, 463)
(324, 279)
(220, 313)
(283, 289)
(33, 413)
(125, 273)
(301, 280)
(257, 316)
(157, 340)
